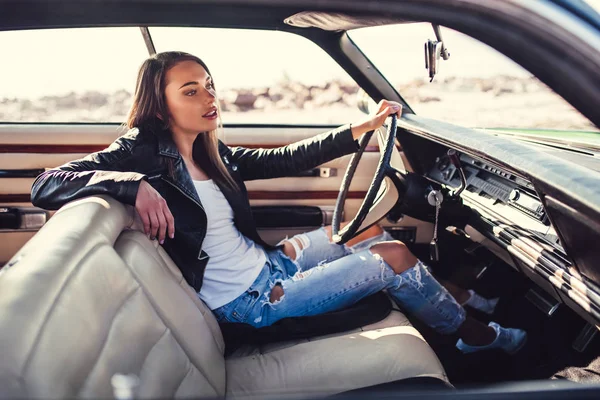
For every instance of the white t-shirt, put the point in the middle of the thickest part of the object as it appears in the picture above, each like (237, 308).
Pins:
(235, 261)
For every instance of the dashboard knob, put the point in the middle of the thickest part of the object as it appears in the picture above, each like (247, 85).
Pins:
(514, 195)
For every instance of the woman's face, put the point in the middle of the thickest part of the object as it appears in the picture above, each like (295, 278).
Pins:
(190, 99)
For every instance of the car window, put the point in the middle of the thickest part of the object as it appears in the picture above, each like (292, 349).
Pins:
(268, 77)
(476, 87)
(69, 75)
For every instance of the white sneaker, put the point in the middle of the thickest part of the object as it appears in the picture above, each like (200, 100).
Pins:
(510, 340)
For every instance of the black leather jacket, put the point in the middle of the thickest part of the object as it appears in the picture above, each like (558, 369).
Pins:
(151, 154)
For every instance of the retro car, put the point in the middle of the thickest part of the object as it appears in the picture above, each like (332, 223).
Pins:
(90, 307)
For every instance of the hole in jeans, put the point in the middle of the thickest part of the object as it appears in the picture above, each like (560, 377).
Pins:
(296, 245)
(276, 294)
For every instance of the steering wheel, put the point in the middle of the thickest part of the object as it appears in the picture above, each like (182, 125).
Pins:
(383, 193)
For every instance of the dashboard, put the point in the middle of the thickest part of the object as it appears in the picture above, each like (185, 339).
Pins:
(510, 218)
(491, 182)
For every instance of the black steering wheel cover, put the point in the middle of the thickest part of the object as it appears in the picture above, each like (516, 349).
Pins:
(341, 237)
(345, 186)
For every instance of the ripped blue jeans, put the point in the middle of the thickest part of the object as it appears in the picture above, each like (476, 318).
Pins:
(327, 277)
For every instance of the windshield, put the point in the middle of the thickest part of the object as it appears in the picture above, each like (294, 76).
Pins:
(476, 87)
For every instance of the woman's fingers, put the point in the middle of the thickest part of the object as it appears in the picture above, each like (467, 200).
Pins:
(146, 221)
(162, 226)
(376, 119)
(155, 214)
(170, 222)
(158, 223)
(387, 108)
(384, 113)
(383, 104)
(380, 118)
(154, 224)
(394, 108)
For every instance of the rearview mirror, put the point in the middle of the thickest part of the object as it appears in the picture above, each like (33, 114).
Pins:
(434, 51)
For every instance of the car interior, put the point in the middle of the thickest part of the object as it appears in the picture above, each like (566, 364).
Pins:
(90, 306)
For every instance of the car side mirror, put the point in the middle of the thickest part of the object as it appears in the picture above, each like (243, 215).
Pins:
(364, 102)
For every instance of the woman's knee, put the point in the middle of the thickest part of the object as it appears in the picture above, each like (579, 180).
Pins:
(372, 231)
(396, 255)
(294, 246)
(328, 231)
(289, 250)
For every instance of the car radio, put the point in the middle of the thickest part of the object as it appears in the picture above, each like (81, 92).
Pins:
(527, 204)
(492, 181)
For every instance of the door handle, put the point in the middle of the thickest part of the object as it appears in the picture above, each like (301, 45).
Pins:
(327, 212)
(319, 172)
(20, 173)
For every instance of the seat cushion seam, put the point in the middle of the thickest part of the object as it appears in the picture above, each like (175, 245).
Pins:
(174, 333)
(167, 330)
(190, 366)
(134, 239)
(105, 340)
(76, 269)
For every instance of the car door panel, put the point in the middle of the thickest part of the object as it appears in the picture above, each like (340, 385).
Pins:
(33, 147)
(317, 191)
(287, 216)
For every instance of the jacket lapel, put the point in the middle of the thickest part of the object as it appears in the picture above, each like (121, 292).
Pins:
(238, 200)
(179, 177)
(178, 174)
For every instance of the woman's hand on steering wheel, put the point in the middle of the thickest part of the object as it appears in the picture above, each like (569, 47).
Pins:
(375, 120)
(373, 197)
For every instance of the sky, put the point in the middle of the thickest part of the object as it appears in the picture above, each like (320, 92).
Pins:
(58, 61)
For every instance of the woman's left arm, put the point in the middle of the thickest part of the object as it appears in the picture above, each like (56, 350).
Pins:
(308, 153)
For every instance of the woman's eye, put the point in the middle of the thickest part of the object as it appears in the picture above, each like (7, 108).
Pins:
(190, 93)
(210, 86)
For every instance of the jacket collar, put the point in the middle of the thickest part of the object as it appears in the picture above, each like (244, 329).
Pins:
(177, 173)
(166, 145)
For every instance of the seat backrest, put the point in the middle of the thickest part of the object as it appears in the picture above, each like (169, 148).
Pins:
(86, 298)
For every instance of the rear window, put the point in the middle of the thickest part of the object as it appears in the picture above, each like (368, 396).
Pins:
(89, 74)
(268, 77)
(69, 75)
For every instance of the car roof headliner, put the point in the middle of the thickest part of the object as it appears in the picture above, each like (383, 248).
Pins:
(35, 14)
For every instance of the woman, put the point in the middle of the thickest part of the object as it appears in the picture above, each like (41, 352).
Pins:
(188, 190)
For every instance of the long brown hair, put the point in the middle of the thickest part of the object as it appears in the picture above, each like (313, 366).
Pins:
(149, 102)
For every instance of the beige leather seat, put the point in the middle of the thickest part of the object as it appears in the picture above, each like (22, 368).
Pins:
(89, 297)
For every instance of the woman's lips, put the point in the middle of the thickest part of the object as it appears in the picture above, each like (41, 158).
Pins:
(210, 115)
